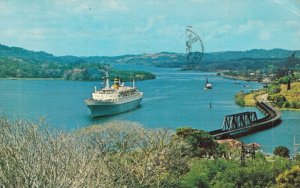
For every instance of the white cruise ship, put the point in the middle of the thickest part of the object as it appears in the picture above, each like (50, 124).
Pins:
(113, 100)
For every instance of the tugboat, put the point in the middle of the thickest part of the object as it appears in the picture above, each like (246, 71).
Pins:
(114, 100)
(207, 85)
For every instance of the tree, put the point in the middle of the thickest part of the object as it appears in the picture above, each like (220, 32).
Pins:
(290, 64)
(273, 89)
(116, 154)
(138, 157)
(282, 151)
(284, 80)
(202, 142)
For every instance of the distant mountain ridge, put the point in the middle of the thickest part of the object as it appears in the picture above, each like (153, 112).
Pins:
(254, 53)
(163, 59)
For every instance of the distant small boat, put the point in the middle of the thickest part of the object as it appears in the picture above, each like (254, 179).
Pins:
(237, 83)
(207, 85)
(245, 86)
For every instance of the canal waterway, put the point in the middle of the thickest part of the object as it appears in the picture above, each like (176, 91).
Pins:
(174, 99)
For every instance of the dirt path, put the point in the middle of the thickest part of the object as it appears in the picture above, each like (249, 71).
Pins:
(263, 97)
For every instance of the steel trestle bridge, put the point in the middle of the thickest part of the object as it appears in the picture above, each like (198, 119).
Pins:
(236, 125)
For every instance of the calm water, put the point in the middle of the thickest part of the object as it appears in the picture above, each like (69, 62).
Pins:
(173, 100)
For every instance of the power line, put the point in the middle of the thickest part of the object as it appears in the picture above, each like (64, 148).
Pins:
(296, 147)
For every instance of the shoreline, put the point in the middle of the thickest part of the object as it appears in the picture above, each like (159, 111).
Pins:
(290, 109)
(12, 78)
(241, 78)
(257, 96)
(32, 79)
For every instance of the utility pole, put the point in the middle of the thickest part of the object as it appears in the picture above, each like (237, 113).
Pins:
(247, 150)
(243, 155)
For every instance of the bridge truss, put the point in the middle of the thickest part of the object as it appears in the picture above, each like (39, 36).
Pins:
(240, 120)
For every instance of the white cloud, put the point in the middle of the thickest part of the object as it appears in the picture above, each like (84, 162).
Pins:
(152, 22)
(100, 6)
(212, 30)
(36, 33)
(250, 26)
(291, 23)
(264, 35)
(264, 30)
(6, 8)
(197, 1)
(115, 5)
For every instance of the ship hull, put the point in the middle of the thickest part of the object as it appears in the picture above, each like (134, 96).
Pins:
(99, 108)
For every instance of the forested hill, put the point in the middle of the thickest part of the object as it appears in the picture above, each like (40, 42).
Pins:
(253, 54)
(157, 59)
(228, 60)
(6, 51)
(21, 63)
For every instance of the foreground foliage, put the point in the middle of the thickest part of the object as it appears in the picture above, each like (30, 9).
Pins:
(228, 173)
(290, 178)
(125, 154)
(114, 155)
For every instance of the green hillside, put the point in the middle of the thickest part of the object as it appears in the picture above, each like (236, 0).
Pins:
(19, 62)
(210, 61)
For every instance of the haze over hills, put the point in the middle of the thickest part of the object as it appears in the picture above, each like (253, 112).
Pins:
(210, 61)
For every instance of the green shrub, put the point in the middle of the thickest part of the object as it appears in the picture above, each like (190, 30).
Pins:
(277, 98)
(295, 104)
(282, 151)
(223, 173)
(239, 98)
(286, 104)
(203, 171)
(273, 89)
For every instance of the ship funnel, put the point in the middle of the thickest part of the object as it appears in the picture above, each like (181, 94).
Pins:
(107, 80)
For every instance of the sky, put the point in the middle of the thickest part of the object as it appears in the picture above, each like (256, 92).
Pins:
(118, 27)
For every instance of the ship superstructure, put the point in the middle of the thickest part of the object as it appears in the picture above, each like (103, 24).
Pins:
(207, 85)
